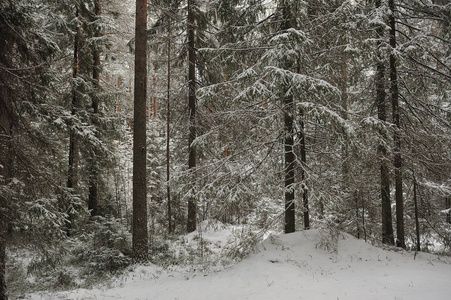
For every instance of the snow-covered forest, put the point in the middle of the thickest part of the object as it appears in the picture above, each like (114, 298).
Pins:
(225, 149)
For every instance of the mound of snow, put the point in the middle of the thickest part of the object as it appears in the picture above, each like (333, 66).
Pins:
(303, 265)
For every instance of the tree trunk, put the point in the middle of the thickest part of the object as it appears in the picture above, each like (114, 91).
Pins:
(73, 142)
(3, 231)
(387, 227)
(93, 177)
(289, 166)
(168, 120)
(345, 167)
(5, 163)
(289, 157)
(192, 207)
(3, 220)
(363, 218)
(73, 139)
(140, 233)
(448, 206)
(344, 115)
(357, 214)
(303, 169)
(417, 222)
(96, 60)
(400, 241)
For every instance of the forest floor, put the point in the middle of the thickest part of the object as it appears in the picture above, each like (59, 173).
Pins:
(303, 265)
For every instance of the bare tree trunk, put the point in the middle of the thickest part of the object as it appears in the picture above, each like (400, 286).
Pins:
(3, 232)
(73, 139)
(344, 115)
(417, 222)
(303, 169)
(3, 218)
(93, 177)
(5, 165)
(73, 149)
(448, 206)
(289, 157)
(96, 60)
(192, 207)
(400, 240)
(140, 232)
(289, 166)
(345, 182)
(387, 227)
(363, 218)
(168, 120)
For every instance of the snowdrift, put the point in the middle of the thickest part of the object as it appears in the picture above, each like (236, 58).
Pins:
(303, 265)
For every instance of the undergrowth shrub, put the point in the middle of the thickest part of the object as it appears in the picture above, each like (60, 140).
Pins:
(103, 246)
(98, 250)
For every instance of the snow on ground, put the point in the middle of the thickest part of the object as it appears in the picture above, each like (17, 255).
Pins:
(302, 265)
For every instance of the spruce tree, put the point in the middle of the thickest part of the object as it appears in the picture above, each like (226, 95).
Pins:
(26, 96)
(394, 95)
(387, 228)
(93, 195)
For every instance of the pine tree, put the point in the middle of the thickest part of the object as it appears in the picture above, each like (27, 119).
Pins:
(140, 239)
(192, 206)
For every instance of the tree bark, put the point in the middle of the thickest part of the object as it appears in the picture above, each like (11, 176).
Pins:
(140, 232)
(93, 177)
(400, 240)
(387, 227)
(192, 207)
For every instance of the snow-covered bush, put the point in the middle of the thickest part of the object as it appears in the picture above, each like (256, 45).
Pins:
(103, 246)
